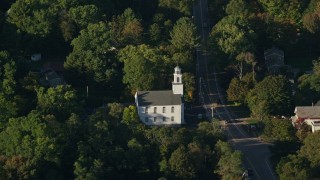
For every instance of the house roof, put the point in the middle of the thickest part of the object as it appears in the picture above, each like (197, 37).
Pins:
(158, 98)
(273, 51)
(307, 111)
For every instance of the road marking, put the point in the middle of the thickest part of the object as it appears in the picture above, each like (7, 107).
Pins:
(253, 168)
(269, 167)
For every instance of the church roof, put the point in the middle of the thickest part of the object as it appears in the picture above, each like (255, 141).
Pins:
(158, 98)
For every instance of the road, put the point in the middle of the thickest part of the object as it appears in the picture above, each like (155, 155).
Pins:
(256, 153)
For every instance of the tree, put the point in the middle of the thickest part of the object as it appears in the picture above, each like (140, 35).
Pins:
(92, 55)
(28, 138)
(180, 163)
(270, 96)
(239, 89)
(311, 18)
(33, 17)
(140, 66)
(242, 61)
(276, 7)
(230, 162)
(309, 149)
(84, 15)
(184, 35)
(237, 7)
(279, 130)
(181, 6)
(188, 80)
(126, 29)
(60, 101)
(293, 167)
(231, 36)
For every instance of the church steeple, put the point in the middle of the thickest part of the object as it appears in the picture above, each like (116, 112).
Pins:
(177, 86)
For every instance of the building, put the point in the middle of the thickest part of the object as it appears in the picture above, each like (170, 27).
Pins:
(274, 60)
(162, 107)
(307, 114)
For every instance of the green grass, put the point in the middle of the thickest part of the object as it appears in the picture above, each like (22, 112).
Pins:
(252, 121)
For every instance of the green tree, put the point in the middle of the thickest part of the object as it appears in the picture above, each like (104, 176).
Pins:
(276, 8)
(279, 130)
(180, 163)
(181, 6)
(237, 7)
(189, 82)
(92, 55)
(230, 162)
(84, 15)
(126, 29)
(28, 137)
(140, 66)
(309, 149)
(60, 101)
(34, 17)
(293, 167)
(270, 96)
(184, 35)
(239, 89)
(231, 36)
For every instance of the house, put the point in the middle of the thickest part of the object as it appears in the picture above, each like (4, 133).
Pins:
(274, 60)
(162, 107)
(52, 74)
(307, 114)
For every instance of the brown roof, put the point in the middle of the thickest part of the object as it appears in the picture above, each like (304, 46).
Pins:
(307, 111)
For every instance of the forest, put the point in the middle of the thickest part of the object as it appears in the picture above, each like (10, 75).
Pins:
(85, 127)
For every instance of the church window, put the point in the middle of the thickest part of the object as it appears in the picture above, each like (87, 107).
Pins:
(155, 110)
(163, 109)
(172, 109)
(172, 118)
(178, 79)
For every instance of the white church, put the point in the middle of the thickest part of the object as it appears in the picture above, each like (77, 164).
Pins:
(162, 107)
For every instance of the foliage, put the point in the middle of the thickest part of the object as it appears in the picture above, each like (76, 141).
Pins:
(239, 89)
(230, 162)
(91, 53)
(34, 17)
(181, 6)
(60, 101)
(278, 130)
(189, 83)
(230, 36)
(293, 167)
(126, 29)
(184, 35)
(27, 137)
(140, 66)
(270, 96)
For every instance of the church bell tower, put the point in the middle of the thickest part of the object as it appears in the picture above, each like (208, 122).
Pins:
(177, 86)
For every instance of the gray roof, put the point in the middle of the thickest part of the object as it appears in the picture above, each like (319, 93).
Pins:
(158, 98)
(308, 111)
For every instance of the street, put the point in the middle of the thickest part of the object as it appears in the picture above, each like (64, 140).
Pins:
(256, 152)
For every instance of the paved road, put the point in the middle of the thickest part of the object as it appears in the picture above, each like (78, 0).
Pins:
(256, 152)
